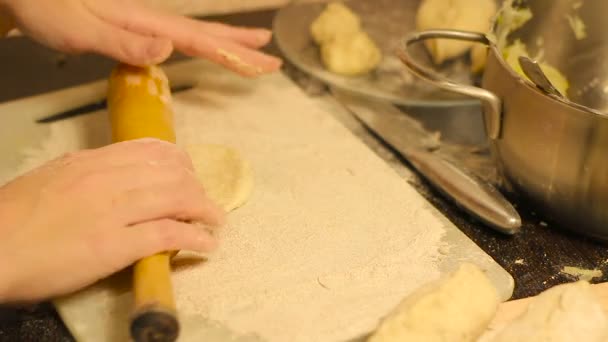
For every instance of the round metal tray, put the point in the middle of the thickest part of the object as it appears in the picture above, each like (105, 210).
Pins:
(387, 22)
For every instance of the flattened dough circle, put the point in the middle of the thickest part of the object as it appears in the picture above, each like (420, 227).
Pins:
(226, 177)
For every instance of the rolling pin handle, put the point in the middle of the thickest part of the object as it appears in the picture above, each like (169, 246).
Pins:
(154, 326)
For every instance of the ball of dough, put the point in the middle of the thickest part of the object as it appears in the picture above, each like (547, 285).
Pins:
(351, 55)
(335, 21)
(568, 312)
(468, 15)
(457, 308)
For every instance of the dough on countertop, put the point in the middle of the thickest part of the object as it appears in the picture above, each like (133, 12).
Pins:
(226, 177)
(468, 15)
(457, 308)
(564, 313)
(346, 49)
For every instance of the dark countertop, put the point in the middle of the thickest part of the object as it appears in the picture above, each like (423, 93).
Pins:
(534, 257)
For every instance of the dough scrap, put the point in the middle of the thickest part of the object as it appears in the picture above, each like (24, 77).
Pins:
(226, 177)
(345, 48)
(457, 308)
(467, 15)
(568, 312)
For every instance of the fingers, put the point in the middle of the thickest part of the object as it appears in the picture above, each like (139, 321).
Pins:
(142, 180)
(118, 180)
(231, 47)
(147, 151)
(250, 37)
(113, 165)
(158, 236)
(235, 57)
(80, 30)
(130, 48)
(151, 22)
(137, 18)
(186, 203)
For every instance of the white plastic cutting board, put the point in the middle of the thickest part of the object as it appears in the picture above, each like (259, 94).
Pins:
(331, 239)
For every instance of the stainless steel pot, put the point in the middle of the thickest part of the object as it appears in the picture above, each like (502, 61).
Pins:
(551, 151)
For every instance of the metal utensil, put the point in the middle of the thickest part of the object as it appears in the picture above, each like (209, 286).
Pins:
(537, 76)
(406, 135)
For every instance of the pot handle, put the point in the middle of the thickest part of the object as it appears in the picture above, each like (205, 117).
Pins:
(491, 103)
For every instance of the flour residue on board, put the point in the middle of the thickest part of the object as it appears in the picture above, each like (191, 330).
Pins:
(307, 271)
(243, 289)
(311, 257)
(201, 329)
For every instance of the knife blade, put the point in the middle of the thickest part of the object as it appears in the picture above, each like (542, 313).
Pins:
(469, 192)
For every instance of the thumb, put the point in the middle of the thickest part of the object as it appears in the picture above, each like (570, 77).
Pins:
(131, 48)
(164, 235)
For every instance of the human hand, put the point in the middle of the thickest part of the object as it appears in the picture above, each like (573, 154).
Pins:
(87, 215)
(133, 34)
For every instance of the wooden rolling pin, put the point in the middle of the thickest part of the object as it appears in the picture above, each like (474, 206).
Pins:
(139, 107)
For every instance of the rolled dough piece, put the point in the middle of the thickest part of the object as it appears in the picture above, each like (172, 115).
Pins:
(226, 177)
(468, 15)
(335, 21)
(457, 308)
(568, 312)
